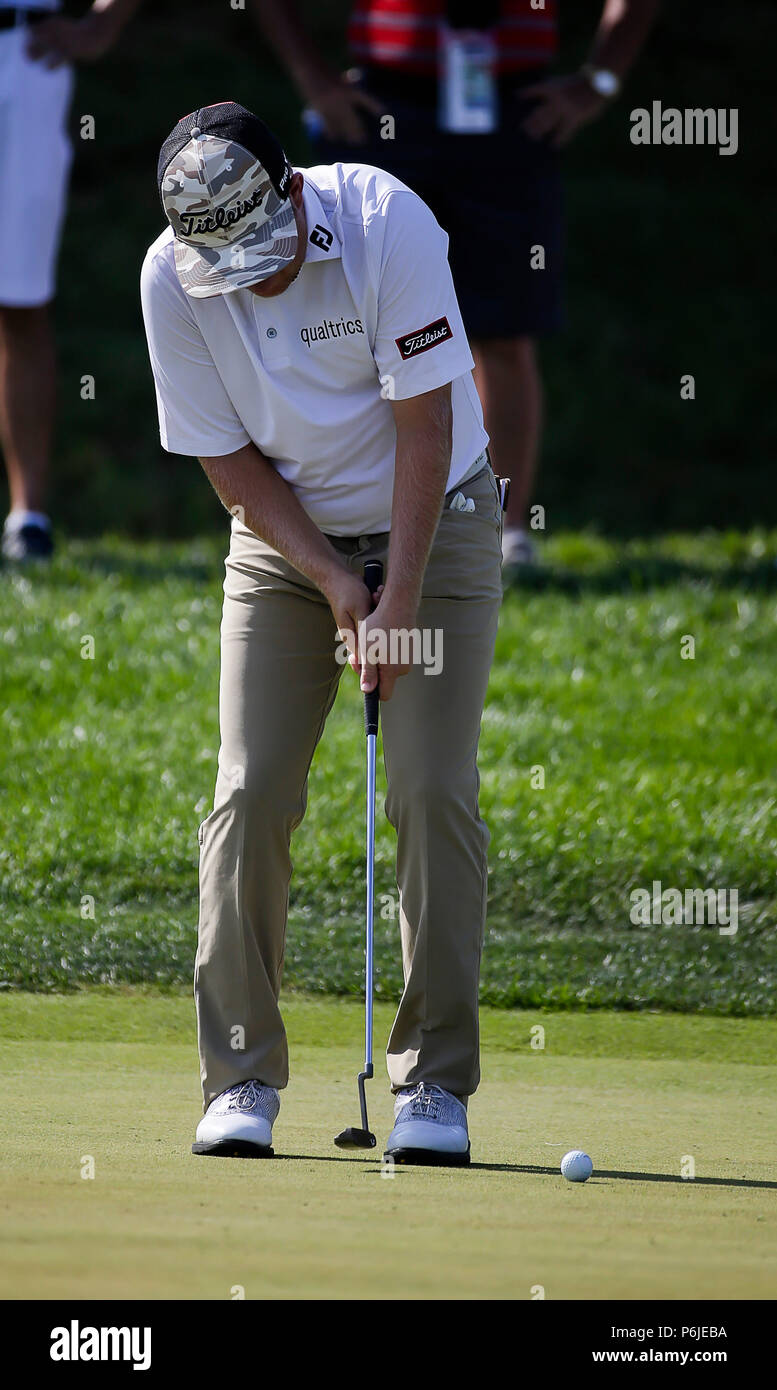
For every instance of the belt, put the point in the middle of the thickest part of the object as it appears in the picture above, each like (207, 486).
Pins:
(12, 19)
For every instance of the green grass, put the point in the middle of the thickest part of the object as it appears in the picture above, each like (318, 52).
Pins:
(139, 1014)
(112, 1076)
(655, 768)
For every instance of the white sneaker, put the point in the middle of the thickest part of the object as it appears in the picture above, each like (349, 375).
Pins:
(518, 549)
(238, 1123)
(430, 1126)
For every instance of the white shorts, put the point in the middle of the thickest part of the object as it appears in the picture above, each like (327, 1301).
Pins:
(35, 156)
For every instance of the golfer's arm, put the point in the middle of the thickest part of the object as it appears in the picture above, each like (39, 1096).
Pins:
(252, 489)
(424, 427)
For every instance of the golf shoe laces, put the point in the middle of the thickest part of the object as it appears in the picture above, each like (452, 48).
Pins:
(247, 1096)
(430, 1103)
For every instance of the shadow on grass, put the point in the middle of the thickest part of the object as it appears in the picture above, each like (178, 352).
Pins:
(639, 574)
(630, 1177)
(530, 1168)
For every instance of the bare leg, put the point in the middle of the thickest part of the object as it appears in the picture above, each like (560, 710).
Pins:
(510, 390)
(27, 397)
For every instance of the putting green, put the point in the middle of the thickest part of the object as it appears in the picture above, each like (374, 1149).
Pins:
(113, 1076)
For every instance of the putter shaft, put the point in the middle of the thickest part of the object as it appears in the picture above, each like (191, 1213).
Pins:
(371, 752)
(351, 1138)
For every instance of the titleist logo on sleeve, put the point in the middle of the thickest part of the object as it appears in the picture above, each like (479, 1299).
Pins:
(424, 338)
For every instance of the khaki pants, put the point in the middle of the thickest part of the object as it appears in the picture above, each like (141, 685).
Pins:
(279, 678)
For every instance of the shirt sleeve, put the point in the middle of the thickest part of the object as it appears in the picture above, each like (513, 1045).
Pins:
(196, 416)
(420, 341)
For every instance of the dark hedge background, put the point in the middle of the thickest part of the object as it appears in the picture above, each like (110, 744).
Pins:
(670, 260)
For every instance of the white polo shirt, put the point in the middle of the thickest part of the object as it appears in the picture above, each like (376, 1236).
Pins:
(309, 375)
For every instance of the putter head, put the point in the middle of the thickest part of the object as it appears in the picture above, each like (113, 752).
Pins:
(353, 1138)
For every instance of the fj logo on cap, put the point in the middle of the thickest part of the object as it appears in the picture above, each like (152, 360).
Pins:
(321, 237)
(424, 338)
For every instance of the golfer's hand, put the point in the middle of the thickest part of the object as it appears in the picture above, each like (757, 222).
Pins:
(59, 40)
(563, 105)
(350, 601)
(338, 102)
(386, 618)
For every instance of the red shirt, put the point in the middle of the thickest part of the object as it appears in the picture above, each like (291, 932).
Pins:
(403, 34)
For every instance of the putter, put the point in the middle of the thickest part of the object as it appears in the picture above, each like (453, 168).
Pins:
(353, 1138)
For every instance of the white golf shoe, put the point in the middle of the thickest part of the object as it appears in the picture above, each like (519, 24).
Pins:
(430, 1126)
(518, 549)
(238, 1123)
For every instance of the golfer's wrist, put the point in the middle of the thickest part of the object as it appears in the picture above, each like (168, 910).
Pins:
(333, 574)
(401, 600)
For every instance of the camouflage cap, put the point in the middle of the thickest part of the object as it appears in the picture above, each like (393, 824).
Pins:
(223, 180)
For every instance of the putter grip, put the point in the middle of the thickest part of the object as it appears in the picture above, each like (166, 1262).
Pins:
(373, 578)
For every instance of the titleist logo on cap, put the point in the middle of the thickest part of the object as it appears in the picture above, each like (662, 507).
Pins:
(196, 223)
(424, 338)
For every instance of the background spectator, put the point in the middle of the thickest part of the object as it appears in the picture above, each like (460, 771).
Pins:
(450, 145)
(37, 49)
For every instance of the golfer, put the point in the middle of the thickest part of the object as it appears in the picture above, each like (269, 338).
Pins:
(307, 347)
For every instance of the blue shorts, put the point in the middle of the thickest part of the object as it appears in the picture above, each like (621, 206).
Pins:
(495, 195)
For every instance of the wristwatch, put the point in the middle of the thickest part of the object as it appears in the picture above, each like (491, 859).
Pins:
(605, 83)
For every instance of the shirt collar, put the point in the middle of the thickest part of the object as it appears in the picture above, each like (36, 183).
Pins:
(323, 243)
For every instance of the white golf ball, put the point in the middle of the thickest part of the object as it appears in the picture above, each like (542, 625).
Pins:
(576, 1166)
